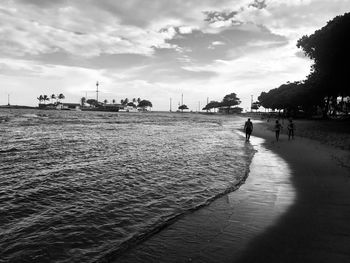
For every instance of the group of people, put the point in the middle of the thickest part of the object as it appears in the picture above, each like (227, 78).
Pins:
(248, 127)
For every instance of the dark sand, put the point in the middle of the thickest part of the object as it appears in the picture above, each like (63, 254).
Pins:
(294, 207)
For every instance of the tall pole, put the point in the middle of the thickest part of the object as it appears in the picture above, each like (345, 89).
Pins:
(97, 91)
(8, 99)
(199, 106)
(170, 104)
(207, 102)
(182, 99)
(251, 103)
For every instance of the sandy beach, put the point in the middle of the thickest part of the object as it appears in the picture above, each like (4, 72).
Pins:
(293, 207)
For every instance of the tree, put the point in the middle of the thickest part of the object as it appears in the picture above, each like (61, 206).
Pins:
(45, 98)
(230, 100)
(113, 101)
(126, 101)
(212, 105)
(83, 101)
(144, 104)
(291, 97)
(61, 97)
(105, 101)
(328, 78)
(92, 102)
(53, 97)
(183, 107)
(138, 100)
(131, 104)
(40, 98)
(134, 100)
(255, 105)
(329, 48)
(122, 102)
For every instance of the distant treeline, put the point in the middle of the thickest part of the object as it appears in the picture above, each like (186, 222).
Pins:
(124, 102)
(326, 89)
(230, 100)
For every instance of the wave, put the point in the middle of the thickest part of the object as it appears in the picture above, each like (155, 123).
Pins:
(165, 222)
(9, 150)
(121, 178)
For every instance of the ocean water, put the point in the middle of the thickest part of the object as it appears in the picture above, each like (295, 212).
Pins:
(82, 186)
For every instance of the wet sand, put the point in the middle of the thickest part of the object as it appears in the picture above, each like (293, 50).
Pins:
(294, 207)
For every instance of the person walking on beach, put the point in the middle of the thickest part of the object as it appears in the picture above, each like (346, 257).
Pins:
(248, 127)
(278, 128)
(291, 129)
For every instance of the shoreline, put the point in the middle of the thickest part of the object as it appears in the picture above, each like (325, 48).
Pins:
(315, 229)
(294, 207)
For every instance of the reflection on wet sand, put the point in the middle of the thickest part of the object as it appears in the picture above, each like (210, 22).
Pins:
(222, 231)
(316, 227)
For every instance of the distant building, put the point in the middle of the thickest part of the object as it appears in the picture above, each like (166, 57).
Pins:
(112, 107)
(68, 106)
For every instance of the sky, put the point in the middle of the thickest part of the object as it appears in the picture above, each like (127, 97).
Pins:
(155, 49)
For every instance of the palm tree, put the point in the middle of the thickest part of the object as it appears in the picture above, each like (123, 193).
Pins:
(105, 101)
(53, 97)
(83, 101)
(113, 101)
(122, 101)
(138, 100)
(45, 98)
(134, 100)
(40, 98)
(61, 97)
(126, 101)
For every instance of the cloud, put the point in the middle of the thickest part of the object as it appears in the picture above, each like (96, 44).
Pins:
(202, 47)
(259, 4)
(186, 29)
(215, 16)
(25, 35)
(214, 44)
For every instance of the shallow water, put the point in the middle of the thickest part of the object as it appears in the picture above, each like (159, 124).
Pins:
(76, 186)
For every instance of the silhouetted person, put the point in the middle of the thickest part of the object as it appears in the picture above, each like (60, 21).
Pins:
(291, 128)
(278, 128)
(248, 127)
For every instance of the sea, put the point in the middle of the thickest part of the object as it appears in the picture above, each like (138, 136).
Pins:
(79, 186)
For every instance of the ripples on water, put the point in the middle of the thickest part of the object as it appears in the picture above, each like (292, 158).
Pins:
(75, 186)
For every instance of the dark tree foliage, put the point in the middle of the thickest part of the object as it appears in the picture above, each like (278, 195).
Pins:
(328, 79)
(145, 104)
(183, 107)
(255, 105)
(131, 104)
(61, 97)
(93, 102)
(230, 100)
(227, 102)
(212, 105)
(287, 97)
(83, 101)
(329, 48)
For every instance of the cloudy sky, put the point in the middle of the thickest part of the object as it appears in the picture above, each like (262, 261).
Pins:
(155, 49)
